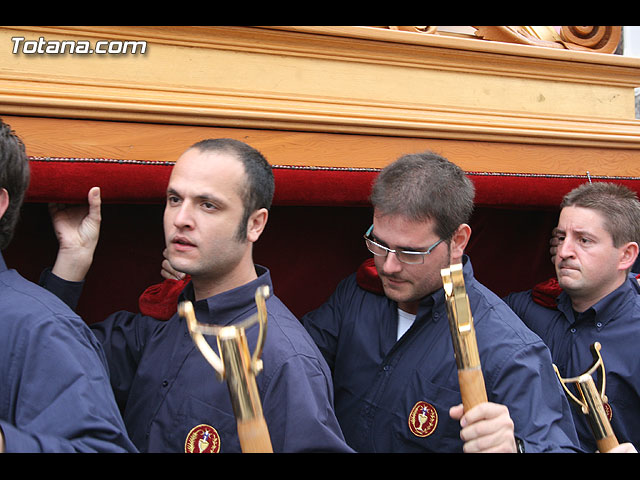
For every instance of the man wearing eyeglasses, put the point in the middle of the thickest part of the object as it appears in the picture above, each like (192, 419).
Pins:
(390, 352)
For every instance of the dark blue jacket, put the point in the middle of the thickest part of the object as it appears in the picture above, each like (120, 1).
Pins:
(614, 322)
(166, 388)
(54, 385)
(383, 385)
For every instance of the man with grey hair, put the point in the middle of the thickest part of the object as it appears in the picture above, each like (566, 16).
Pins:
(595, 299)
(390, 351)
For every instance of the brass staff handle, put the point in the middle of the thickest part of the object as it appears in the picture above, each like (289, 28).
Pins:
(238, 368)
(592, 401)
(463, 335)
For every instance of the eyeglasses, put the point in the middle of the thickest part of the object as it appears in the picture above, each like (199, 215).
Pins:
(405, 256)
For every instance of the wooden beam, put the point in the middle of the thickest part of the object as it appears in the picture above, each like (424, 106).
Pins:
(66, 138)
(337, 80)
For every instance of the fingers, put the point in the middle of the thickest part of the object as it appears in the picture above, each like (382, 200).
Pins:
(553, 244)
(486, 428)
(623, 448)
(54, 208)
(77, 228)
(95, 201)
(167, 271)
(456, 412)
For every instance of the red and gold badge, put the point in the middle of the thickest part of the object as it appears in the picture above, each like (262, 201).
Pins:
(202, 439)
(607, 410)
(423, 419)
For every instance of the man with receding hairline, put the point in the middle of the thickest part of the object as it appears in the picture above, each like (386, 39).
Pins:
(597, 299)
(218, 200)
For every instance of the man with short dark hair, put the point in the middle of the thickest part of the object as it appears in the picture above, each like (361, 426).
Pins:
(390, 351)
(597, 299)
(55, 394)
(218, 201)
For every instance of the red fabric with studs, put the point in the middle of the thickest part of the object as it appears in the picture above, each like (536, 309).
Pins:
(314, 237)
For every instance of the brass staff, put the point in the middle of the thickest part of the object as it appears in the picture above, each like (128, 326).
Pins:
(238, 368)
(592, 401)
(463, 334)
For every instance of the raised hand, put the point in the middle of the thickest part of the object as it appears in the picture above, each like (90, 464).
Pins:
(77, 228)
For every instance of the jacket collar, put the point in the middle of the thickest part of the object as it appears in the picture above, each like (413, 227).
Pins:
(231, 306)
(605, 309)
(437, 299)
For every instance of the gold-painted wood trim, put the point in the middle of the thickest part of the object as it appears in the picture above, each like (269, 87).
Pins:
(67, 138)
(354, 80)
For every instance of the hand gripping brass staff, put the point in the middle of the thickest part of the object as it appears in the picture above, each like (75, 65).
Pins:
(238, 368)
(592, 401)
(463, 334)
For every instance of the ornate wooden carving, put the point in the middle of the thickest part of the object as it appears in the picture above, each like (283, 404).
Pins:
(416, 29)
(328, 82)
(602, 39)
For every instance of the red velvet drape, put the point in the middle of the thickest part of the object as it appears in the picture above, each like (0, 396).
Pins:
(314, 235)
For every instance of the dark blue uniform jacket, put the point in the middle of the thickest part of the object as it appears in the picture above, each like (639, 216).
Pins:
(54, 384)
(383, 385)
(166, 388)
(614, 322)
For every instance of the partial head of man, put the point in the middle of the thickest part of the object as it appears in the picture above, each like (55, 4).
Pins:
(598, 232)
(218, 198)
(14, 180)
(422, 207)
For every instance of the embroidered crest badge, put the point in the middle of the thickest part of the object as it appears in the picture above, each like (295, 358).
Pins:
(607, 410)
(423, 419)
(202, 439)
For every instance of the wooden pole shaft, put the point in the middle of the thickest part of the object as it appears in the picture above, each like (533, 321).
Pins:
(607, 443)
(472, 387)
(254, 436)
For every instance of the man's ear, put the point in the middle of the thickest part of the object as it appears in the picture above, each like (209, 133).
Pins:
(629, 254)
(256, 224)
(459, 242)
(4, 201)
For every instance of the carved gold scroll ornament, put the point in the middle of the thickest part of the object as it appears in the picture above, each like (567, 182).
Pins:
(602, 39)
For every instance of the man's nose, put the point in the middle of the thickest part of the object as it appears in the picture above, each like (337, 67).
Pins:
(565, 248)
(183, 217)
(391, 263)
